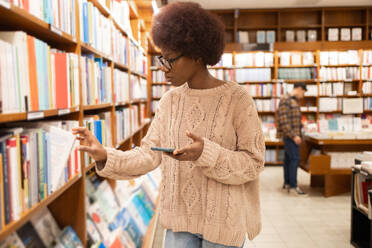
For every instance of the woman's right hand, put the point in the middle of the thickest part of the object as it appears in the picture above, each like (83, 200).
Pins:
(90, 144)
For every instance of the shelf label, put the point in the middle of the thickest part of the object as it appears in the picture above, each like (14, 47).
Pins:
(63, 111)
(348, 80)
(35, 115)
(5, 4)
(55, 30)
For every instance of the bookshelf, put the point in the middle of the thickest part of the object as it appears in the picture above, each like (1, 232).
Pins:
(295, 27)
(267, 91)
(67, 204)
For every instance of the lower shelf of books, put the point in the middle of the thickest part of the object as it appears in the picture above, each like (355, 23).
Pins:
(26, 216)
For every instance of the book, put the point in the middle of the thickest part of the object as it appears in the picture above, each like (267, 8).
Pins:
(69, 239)
(46, 226)
(301, 35)
(29, 236)
(270, 36)
(356, 34)
(12, 241)
(261, 36)
(345, 34)
(289, 35)
(311, 35)
(333, 34)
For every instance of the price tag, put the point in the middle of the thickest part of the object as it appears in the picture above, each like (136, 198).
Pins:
(321, 142)
(5, 4)
(63, 111)
(55, 30)
(74, 39)
(35, 115)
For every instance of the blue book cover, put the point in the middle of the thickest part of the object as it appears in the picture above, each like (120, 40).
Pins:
(141, 209)
(98, 130)
(86, 22)
(6, 182)
(132, 229)
(145, 201)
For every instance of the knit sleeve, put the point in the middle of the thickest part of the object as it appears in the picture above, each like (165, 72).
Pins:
(140, 160)
(247, 161)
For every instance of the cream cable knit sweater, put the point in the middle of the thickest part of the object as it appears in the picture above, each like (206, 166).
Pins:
(217, 195)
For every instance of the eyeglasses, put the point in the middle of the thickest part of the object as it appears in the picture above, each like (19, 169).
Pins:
(167, 63)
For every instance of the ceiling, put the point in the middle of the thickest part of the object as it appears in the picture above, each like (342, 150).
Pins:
(250, 4)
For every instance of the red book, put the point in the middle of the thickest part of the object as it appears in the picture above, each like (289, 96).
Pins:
(10, 144)
(33, 73)
(61, 80)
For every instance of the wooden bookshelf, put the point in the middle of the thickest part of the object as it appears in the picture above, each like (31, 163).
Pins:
(13, 226)
(67, 204)
(294, 19)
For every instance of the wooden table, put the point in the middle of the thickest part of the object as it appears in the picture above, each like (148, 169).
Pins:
(334, 181)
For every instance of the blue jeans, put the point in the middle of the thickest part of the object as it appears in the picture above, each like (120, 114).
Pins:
(189, 240)
(291, 161)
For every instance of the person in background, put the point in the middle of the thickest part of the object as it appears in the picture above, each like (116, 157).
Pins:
(289, 128)
(209, 194)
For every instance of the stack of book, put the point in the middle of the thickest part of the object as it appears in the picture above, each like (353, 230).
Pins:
(42, 231)
(259, 59)
(367, 57)
(297, 73)
(35, 161)
(123, 128)
(139, 88)
(339, 73)
(121, 215)
(32, 73)
(120, 46)
(120, 12)
(138, 61)
(95, 28)
(260, 89)
(157, 76)
(269, 105)
(296, 58)
(367, 73)
(121, 86)
(350, 57)
(60, 15)
(96, 80)
(253, 75)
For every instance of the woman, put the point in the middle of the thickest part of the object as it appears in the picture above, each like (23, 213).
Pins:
(210, 190)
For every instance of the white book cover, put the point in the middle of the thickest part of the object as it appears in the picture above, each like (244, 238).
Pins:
(289, 35)
(311, 35)
(285, 58)
(12, 241)
(333, 34)
(61, 146)
(345, 34)
(356, 34)
(46, 226)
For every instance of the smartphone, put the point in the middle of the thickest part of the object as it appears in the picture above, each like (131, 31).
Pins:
(161, 149)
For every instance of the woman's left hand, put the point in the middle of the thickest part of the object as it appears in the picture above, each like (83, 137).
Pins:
(190, 152)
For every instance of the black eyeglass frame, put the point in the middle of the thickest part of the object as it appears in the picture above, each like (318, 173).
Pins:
(170, 61)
